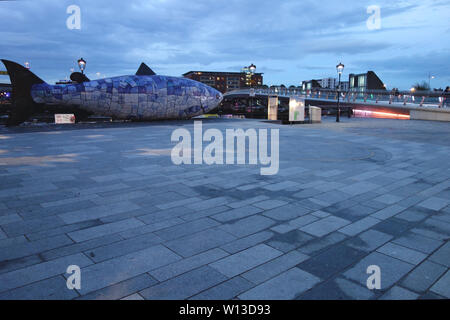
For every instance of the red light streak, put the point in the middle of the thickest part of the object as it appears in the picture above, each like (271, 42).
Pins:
(379, 114)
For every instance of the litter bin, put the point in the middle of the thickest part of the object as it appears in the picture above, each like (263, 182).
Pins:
(315, 114)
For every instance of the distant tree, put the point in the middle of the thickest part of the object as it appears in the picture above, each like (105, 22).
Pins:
(283, 86)
(292, 87)
(264, 86)
(423, 86)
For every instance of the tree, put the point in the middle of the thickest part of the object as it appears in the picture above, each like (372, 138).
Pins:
(423, 86)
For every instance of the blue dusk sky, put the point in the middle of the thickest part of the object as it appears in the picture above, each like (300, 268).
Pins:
(289, 41)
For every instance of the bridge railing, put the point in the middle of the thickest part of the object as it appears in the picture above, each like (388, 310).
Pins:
(417, 98)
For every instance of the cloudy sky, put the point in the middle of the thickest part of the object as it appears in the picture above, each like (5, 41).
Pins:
(289, 41)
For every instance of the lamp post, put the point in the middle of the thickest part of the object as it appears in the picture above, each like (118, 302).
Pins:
(340, 70)
(430, 77)
(82, 65)
(27, 65)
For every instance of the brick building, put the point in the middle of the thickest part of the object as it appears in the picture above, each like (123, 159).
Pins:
(226, 81)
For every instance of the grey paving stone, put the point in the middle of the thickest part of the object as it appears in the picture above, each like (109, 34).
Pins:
(103, 230)
(247, 242)
(6, 242)
(388, 212)
(19, 263)
(199, 242)
(359, 188)
(210, 203)
(121, 289)
(133, 297)
(434, 203)
(188, 264)
(338, 289)
(325, 226)
(355, 212)
(240, 262)
(287, 212)
(178, 203)
(442, 287)
(393, 226)
(185, 285)
(116, 270)
(286, 286)
(417, 242)
(412, 215)
(124, 247)
(295, 224)
(437, 226)
(431, 296)
(269, 204)
(41, 271)
(359, 226)
(331, 261)
(238, 213)
(423, 277)
(331, 197)
(79, 247)
(442, 256)
(122, 196)
(49, 289)
(28, 226)
(98, 212)
(187, 228)
(275, 267)
(9, 218)
(392, 270)
(289, 241)
(320, 214)
(369, 240)
(399, 293)
(162, 215)
(28, 248)
(227, 290)
(63, 229)
(388, 199)
(130, 233)
(2, 235)
(402, 253)
(246, 202)
(319, 244)
(247, 226)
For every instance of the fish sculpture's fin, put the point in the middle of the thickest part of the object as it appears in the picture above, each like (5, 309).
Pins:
(22, 79)
(145, 70)
(79, 77)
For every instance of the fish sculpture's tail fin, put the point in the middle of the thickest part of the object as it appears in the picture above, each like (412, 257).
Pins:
(22, 80)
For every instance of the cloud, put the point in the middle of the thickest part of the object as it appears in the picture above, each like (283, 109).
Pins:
(175, 36)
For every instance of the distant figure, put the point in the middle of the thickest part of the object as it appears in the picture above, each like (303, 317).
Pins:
(446, 97)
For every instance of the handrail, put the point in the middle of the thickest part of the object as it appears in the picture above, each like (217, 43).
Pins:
(420, 98)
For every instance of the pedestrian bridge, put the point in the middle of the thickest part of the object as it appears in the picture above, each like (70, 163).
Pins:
(406, 104)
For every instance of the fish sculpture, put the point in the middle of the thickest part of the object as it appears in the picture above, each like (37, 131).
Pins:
(143, 96)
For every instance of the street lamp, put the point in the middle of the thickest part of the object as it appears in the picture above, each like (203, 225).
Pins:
(430, 77)
(340, 70)
(27, 65)
(82, 65)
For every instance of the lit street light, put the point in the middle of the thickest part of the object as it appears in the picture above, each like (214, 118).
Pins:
(340, 70)
(82, 65)
(430, 77)
(27, 65)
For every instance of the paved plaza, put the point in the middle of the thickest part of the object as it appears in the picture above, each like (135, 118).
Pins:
(108, 199)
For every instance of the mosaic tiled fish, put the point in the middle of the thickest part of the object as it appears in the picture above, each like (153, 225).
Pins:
(144, 96)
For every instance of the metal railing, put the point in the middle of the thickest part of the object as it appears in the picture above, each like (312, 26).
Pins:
(405, 98)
